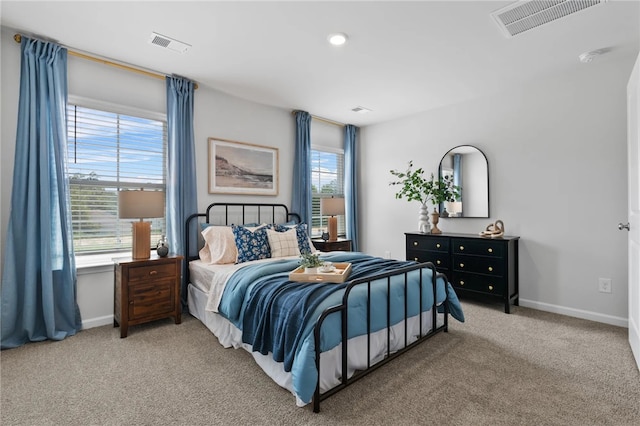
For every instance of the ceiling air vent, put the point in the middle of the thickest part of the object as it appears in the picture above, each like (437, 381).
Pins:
(168, 43)
(528, 14)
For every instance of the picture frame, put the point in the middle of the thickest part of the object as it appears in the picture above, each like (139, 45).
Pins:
(242, 168)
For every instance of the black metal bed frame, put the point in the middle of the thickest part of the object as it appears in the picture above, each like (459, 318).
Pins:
(343, 307)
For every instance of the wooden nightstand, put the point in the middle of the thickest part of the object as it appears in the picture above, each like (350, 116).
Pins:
(146, 290)
(340, 245)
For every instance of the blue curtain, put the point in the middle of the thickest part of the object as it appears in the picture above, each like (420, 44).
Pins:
(301, 198)
(351, 184)
(39, 276)
(181, 193)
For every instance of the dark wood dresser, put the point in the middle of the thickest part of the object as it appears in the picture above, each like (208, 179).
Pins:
(340, 245)
(475, 265)
(146, 290)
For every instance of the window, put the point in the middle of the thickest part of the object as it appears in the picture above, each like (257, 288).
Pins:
(109, 151)
(327, 179)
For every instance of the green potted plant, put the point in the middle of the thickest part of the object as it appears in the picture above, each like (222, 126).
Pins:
(310, 262)
(414, 186)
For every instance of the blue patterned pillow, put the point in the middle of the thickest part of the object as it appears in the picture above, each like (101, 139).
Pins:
(251, 245)
(301, 232)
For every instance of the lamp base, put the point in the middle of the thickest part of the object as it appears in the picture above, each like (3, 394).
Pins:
(141, 240)
(332, 225)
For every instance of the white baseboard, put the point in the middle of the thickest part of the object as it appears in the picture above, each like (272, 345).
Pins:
(97, 322)
(578, 313)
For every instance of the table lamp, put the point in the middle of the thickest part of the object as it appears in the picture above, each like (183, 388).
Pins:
(140, 204)
(332, 207)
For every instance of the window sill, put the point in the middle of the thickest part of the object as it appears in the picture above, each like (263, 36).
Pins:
(92, 263)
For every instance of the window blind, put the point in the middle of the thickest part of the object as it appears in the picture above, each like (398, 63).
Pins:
(327, 179)
(109, 151)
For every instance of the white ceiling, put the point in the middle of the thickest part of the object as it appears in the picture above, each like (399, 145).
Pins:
(401, 57)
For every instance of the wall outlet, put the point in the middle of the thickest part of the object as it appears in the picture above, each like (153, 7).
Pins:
(604, 285)
(387, 254)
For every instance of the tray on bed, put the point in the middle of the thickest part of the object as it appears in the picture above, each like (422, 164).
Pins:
(339, 275)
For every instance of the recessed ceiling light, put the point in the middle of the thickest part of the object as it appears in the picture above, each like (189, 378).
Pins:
(337, 39)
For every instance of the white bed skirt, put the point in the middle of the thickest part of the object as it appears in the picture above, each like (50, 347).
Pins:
(330, 361)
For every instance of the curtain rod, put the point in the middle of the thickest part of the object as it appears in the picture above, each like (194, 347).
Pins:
(324, 120)
(18, 39)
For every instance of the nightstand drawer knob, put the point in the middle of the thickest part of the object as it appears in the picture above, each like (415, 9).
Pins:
(415, 258)
(490, 250)
(415, 243)
(461, 248)
(491, 287)
(461, 282)
(438, 262)
(438, 245)
(490, 269)
(462, 265)
(153, 272)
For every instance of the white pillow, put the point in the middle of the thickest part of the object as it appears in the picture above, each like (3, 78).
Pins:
(219, 245)
(283, 243)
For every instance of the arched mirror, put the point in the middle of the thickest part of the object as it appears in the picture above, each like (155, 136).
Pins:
(468, 168)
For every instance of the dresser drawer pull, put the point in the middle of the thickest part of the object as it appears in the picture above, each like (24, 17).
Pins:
(462, 265)
(415, 243)
(491, 287)
(415, 258)
(153, 272)
(490, 269)
(438, 262)
(490, 250)
(461, 248)
(438, 245)
(461, 282)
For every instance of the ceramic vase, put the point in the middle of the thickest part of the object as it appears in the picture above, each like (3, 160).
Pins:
(423, 219)
(162, 249)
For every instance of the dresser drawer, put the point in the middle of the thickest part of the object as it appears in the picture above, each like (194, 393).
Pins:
(480, 283)
(478, 247)
(439, 259)
(430, 243)
(153, 272)
(478, 264)
(151, 299)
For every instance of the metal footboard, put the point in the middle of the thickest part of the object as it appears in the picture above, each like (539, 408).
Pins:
(343, 310)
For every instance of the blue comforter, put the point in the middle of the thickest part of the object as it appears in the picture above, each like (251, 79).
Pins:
(277, 315)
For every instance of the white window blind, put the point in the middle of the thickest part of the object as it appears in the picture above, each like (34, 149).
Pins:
(327, 179)
(109, 151)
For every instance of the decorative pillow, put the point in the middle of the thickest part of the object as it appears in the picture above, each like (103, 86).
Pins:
(283, 243)
(251, 245)
(219, 245)
(304, 242)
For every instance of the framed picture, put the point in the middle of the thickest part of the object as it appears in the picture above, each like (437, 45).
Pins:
(242, 168)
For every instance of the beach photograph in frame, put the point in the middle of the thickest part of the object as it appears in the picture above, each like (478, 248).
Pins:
(242, 168)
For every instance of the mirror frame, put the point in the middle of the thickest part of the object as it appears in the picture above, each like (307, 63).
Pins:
(441, 206)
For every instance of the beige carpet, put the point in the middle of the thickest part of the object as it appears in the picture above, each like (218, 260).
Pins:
(527, 368)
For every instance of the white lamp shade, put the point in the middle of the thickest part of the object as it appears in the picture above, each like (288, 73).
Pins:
(140, 204)
(332, 206)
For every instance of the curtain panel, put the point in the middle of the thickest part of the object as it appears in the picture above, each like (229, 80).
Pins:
(301, 197)
(38, 298)
(181, 191)
(351, 184)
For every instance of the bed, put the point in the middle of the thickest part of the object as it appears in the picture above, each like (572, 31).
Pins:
(305, 335)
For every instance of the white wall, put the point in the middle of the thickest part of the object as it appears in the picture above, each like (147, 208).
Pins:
(216, 115)
(557, 168)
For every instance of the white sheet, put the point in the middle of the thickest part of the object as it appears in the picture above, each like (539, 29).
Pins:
(330, 361)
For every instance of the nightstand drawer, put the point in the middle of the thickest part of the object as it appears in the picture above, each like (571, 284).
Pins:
(478, 247)
(138, 273)
(432, 243)
(151, 299)
(478, 264)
